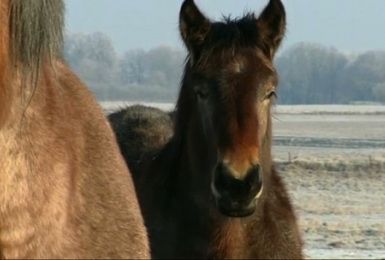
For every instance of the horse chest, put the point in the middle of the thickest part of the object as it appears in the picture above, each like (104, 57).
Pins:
(31, 208)
(14, 188)
(16, 227)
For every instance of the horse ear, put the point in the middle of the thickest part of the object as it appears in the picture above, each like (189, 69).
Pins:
(272, 26)
(193, 25)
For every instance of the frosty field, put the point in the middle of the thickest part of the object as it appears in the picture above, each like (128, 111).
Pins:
(332, 159)
(334, 165)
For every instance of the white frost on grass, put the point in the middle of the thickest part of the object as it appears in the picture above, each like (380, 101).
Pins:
(330, 109)
(344, 254)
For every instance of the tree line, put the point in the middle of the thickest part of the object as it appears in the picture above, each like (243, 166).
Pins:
(309, 73)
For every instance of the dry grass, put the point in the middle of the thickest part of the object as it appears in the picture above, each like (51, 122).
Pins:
(340, 204)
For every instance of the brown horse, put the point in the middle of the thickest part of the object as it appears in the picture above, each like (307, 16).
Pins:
(212, 191)
(142, 132)
(65, 190)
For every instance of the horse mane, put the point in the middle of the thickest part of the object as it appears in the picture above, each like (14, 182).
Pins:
(36, 31)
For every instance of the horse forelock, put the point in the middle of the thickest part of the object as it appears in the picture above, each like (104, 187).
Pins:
(36, 31)
(229, 35)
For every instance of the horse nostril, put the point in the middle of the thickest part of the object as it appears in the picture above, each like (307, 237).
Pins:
(233, 196)
(223, 176)
(254, 179)
(253, 175)
(226, 182)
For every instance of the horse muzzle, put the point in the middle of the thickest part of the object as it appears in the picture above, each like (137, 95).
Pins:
(236, 197)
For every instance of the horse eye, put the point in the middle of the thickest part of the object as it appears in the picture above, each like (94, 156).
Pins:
(271, 94)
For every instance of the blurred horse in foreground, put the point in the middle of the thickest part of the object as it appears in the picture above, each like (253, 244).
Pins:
(65, 191)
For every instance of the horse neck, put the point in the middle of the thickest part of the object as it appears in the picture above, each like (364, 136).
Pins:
(25, 93)
(228, 238)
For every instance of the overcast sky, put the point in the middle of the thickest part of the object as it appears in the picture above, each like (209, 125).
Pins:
(349, 25)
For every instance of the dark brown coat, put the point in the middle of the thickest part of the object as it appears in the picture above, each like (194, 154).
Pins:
(212, 191)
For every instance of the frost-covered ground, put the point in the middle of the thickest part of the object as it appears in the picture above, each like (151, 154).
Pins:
(333, 161)
(330, 109)
(340, 205)
(334, 165)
